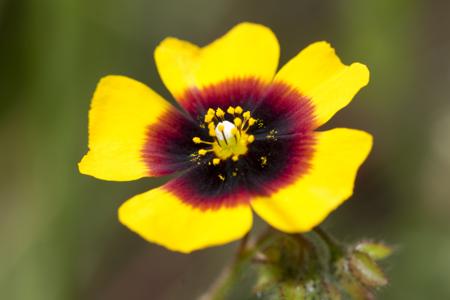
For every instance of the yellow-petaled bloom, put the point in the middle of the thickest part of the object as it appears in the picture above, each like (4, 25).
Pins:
(245, 139)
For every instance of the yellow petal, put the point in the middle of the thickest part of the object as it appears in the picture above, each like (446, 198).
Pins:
(122, 109)
(161, 217)
(308, 201)
(246, 50)
(318, 73)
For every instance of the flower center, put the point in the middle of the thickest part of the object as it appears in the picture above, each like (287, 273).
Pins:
(228, 133)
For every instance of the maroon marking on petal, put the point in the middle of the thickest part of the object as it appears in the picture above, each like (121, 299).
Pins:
(184, 188)
(231, 92)
(280, 154)
(169, 143)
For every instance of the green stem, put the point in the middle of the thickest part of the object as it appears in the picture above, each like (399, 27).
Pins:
(244, 255)
(230, 276)
(335, 249)
(310, 254)
(226, 281)
(242, 249)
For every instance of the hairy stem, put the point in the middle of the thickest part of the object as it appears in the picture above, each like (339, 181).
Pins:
(230, 275)
(335, 249)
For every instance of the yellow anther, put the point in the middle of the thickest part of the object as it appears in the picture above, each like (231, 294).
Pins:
(220, 113)
(208, 118)
(221, 177)
(263, 160)
(229, 139)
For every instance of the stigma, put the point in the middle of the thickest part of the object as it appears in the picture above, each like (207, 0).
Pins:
(228, 133)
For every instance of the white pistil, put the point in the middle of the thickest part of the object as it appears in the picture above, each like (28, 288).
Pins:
(226, 131)
(229, 138)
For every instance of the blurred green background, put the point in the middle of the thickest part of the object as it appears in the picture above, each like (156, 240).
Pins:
(59, 236)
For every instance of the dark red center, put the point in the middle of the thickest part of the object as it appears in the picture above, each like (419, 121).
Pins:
(281, 153)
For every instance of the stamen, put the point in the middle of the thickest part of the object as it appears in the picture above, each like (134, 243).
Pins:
(263, 160)
(210, 115)
(197, 140)
(202, 152)
(208, 118)
(220, 113)
(212, 129)
(221, 134)
(229, 138)
(224, 138)
(235, 134)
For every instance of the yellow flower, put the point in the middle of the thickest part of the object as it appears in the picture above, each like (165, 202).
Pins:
(244, 139)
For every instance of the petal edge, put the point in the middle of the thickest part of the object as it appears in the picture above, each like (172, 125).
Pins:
(247, 49)
(307, 202)
(318, 73)
(121, 111)
(162, 218)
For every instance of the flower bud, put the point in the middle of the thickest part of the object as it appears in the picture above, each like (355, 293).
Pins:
(376, 251)
(364, 268)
